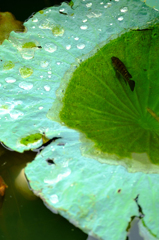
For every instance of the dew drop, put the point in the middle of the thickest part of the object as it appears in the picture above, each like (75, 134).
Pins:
(120, 18)
(44, 64)
(93, 15)
(40, 108)
(84, 27)
(16, 114)
(107, 5)
(47, 88)
(80, 46)
(50, 47)
(54, 198)
(68, 47)
(88, 4)
(76, 38)
(124, 9)
(62, 10)
(25, 85)
(35, 20)
(49, 72)
(85, 20)
(45, 24)
(10, 80)
(27, 54)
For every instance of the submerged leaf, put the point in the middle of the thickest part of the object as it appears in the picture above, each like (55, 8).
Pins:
(98, 103)
(8, 23)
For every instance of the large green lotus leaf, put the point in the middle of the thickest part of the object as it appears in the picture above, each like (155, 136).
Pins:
(100, 198)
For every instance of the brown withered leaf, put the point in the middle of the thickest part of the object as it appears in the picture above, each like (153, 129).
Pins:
(9, 23)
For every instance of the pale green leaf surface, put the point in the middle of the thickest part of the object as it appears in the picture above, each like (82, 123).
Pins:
(86, 191)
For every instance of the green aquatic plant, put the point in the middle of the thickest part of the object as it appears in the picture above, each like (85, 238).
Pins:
(98, 103)
(64, 84)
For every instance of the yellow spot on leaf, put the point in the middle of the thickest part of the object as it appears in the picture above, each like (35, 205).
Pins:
(25, 72)
(8, 65)
(41, 11)
(31, 139)
(57, 30)
(153, 114)
(29, 45)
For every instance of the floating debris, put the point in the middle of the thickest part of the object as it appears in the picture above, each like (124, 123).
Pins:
(3, 186)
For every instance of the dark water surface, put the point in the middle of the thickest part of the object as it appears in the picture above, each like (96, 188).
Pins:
(22, 9)
(23, 216)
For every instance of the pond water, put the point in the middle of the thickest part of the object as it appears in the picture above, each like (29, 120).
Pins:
(22, 215)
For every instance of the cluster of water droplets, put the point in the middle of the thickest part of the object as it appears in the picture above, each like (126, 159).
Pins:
(58, 31)
(8, 106)
(55, 39)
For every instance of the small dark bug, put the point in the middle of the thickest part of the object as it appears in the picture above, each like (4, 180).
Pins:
(120, 67)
